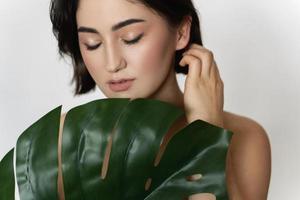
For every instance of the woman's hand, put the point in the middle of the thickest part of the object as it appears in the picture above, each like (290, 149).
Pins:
(203, 89)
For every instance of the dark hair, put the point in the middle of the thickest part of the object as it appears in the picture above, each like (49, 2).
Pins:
(64, 27)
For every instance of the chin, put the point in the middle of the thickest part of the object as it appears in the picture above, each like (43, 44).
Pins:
(119, 95)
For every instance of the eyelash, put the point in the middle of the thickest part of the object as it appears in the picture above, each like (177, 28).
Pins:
(131, 42)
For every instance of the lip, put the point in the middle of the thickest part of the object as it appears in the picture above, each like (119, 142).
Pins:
(120, 85)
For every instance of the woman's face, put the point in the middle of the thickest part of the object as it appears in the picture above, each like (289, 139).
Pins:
(148, 60)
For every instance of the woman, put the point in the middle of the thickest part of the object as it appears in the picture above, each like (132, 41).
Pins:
(134, 48)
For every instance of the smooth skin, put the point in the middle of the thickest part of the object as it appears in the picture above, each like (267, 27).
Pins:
(248, 164)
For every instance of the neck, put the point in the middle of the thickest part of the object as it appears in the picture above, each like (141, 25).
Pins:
(170, 92)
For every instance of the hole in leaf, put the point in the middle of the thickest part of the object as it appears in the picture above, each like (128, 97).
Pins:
(106, 157)
(194, 177)
(60, 181)
(148, 184)
(202, 196)
(179, 124)
(107, 153)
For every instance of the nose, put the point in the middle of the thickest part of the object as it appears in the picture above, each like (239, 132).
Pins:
(115, 62)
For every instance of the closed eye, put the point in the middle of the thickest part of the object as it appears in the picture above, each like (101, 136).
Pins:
(130, 42)
(135, 40)
(90, 48)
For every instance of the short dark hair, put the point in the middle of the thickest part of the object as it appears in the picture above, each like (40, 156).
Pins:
(64, 27)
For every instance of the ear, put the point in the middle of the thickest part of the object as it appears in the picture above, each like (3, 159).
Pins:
(183, 33)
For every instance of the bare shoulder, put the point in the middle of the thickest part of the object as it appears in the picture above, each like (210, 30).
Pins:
(246, 130)
(249, 158)
(248, 135)
(242, 124)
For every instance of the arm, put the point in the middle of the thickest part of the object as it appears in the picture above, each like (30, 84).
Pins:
(249, 163)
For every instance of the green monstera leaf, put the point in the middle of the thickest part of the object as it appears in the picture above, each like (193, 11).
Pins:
(7, 182)
(115, 149)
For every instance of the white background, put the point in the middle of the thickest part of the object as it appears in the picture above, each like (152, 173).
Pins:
(256, 44)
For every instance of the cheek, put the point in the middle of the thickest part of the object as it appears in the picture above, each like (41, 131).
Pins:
(92, 63)
(151, 57)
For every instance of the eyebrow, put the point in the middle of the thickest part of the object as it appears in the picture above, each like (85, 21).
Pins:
(113, 28)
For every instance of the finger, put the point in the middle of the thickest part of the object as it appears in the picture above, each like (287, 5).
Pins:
(195, 45)
(206, 58)
(194, 65)
(216, 72)
(215, 77)
(219, 84)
